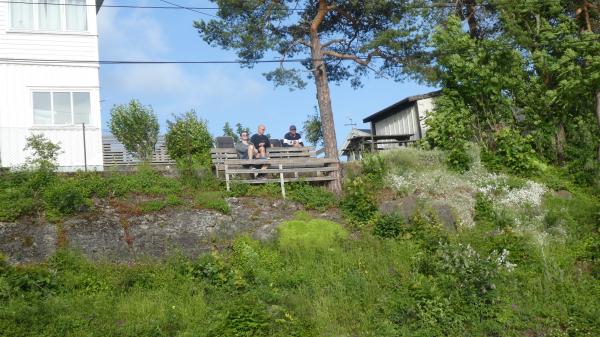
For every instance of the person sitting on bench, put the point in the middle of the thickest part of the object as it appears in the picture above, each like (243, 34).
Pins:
(245, 149)
(292, 138)
(261, 142)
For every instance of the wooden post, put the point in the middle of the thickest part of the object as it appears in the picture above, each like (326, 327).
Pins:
(282, 180)
(227, 177)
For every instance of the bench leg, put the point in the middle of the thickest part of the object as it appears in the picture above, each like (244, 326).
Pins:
(227, 178)
(282, 181)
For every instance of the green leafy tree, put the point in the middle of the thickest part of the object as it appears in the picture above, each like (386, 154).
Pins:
(239, 128)
(531, 67)
(44, 153)
(136, 127)
(228, 131)
(323, 34)
(42, 164)
(188, 140)
(313, 131)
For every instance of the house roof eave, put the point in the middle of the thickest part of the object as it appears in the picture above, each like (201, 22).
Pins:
(98, 5)
(379, 115)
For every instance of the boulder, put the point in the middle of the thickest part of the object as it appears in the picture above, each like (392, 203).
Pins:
(407, 206)
(445, 215)
(563, 194)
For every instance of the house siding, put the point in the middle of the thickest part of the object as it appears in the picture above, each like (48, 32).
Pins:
(425, 106)
(18, 81)
(22, 44)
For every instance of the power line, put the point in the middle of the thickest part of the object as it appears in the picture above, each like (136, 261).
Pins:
(25, 61)
(63, 61)
(187, 8)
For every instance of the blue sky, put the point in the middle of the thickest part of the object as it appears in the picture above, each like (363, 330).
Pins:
(218, 93)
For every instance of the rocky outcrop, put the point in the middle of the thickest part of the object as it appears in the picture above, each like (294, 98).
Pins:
(109, 234)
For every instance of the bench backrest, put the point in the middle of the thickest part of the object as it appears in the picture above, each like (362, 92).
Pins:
(220, 155)
(224, 142)
(275, 142)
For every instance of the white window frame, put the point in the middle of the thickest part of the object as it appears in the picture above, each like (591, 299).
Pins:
(89, 91)
(36, 20)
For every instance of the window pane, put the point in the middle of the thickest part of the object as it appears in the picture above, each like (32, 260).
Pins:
(21, 15)
(42, 110)
(76, 15)
(62, 108)
(49, 15)
(81, 107)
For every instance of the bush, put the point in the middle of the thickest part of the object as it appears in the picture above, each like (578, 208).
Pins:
(374, 170)
(358, 204)
(512, 152)
(389, 226)
(312, 197)
(66, 197)
(189, 142)
(136, 127)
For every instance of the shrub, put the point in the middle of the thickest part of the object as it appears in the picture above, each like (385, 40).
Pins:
(188, 141)
(512, 152)
(66, 197)
(136, 127)
(374, 170)
(389, 226)
(358, 204)
(15, 202)
(44, 153)
(312, 197)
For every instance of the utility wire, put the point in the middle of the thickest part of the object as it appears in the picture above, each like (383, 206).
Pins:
(465, 53)
(188, 8)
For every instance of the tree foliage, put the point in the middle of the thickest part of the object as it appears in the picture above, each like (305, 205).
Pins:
(188, 140)
(136, 127)
(372, 35)
(228, 131)
(44, 153)
(313, 131)
(526, 69)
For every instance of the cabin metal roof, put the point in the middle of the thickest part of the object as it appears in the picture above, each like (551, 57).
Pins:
(390, 110)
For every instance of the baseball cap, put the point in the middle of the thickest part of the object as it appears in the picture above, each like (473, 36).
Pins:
(292, 127)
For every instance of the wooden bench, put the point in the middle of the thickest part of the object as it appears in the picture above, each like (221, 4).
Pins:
(286, 164)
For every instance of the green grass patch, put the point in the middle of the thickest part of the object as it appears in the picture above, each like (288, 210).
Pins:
(315, 233)
(213, 200)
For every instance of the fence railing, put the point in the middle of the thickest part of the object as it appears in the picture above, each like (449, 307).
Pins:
(114, 153)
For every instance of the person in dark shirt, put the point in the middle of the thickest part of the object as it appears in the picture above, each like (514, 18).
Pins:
(261, 142)
(292, 138)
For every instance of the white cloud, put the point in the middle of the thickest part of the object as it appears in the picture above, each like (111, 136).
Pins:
(138, 35)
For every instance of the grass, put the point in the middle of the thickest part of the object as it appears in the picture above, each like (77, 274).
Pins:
(518, 270)
(315, 280)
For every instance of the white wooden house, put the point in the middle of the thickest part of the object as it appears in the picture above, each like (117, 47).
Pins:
(405, 117)
(49, 79)
(396, 125)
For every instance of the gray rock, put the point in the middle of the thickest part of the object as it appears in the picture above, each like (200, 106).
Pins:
(407, 206)
(563, 194)
(25, 243)
(104, 234)
(445, 214)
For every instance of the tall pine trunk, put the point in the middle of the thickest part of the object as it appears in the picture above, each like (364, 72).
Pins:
(324, 98)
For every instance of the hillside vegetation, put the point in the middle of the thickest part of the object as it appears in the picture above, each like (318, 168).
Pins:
(522, 258)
